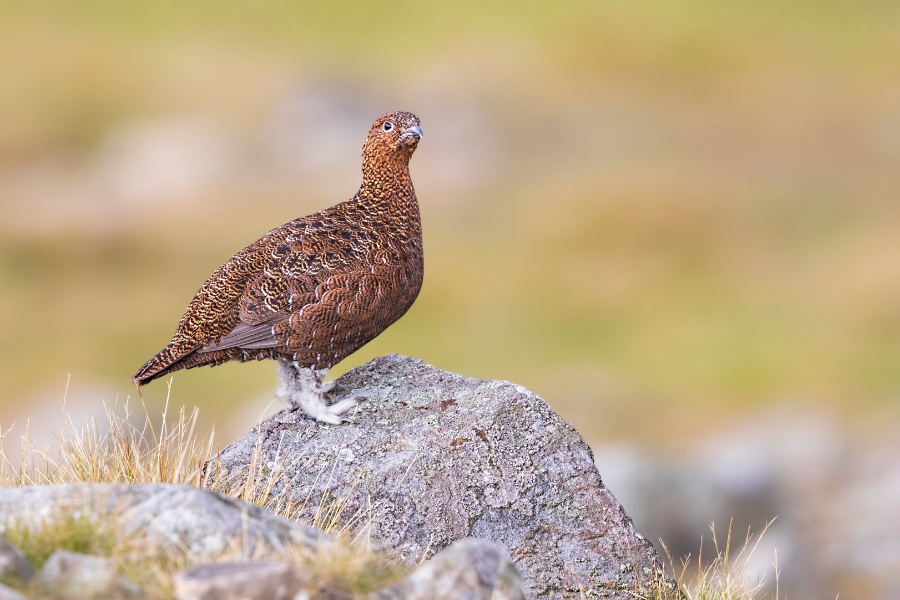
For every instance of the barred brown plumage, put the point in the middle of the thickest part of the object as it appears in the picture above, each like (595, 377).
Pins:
(316, 289)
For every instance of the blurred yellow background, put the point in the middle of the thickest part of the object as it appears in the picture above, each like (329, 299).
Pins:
(660, 216)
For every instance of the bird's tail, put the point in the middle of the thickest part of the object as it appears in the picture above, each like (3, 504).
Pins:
(157, 366)
(174, 357)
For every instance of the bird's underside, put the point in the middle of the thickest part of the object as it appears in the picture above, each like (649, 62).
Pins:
(310, 292)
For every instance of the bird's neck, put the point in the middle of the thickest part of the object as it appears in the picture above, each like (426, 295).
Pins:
(387, 194)
(387, 182)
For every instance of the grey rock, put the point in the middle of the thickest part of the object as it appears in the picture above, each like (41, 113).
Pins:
(80, 576)
(174, 518)
(432, 457)
(206, 522)
(7, 593)
(240, 581)
(469, 569)
(13, 562)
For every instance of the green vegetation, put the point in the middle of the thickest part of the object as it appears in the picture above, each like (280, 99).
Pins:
(73, 532)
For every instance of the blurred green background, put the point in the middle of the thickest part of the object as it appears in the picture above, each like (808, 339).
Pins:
(664, 217)
(654, 214)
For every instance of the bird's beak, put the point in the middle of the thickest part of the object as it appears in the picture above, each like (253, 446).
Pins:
(411, 135)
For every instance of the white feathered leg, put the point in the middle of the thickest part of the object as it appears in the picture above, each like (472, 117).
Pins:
(302, 387)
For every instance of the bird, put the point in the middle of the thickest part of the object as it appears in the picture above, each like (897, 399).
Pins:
(313, 291)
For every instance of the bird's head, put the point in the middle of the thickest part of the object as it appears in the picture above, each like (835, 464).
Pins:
(393, 136)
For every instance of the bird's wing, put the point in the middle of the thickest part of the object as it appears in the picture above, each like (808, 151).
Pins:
(300, 270)
(248, 337)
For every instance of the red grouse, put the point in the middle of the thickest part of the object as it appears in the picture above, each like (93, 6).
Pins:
(314, 290)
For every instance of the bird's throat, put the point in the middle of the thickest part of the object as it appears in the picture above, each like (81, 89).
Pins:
(387, 182)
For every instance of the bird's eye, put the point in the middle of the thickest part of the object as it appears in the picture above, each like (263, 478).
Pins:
(388, 125)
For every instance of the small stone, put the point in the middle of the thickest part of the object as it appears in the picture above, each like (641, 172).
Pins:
(13, 562)
(7, 593)
(240, 581)
(81, 576)
(471, 568)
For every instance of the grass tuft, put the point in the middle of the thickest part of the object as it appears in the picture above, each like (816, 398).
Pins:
(116, 450)
(75, 532)
(725, 577)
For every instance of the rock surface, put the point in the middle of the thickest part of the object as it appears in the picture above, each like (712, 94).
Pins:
(239, 581)
(471, 568)
(168, 517)
(13, 563)
(75, 575)
(432, 457)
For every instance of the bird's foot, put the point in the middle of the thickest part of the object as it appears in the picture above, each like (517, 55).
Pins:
(324, 416)
(333, 414)
(343, 405)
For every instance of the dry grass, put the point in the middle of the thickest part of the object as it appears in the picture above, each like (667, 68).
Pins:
(114, 450)
(726, 576)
